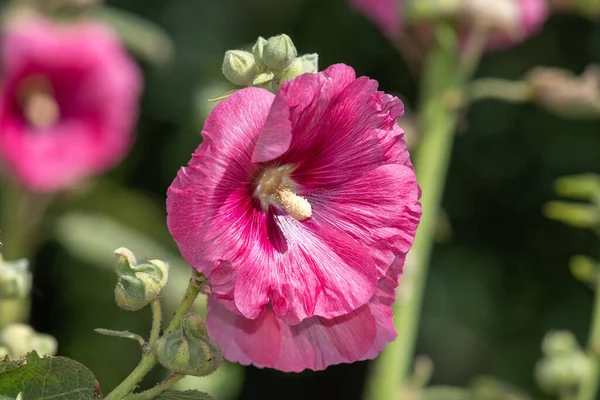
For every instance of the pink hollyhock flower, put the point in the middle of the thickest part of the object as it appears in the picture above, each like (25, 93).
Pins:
(299, 208)
(385, 14)
(68, 102)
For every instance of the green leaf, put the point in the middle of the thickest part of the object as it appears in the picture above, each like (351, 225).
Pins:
(186, 395)
(146, 39)
(47, 378)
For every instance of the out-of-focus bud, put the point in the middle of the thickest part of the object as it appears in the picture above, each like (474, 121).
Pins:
(581, 187)
(564, 366)
(310, 63)
(558, 343)
(279, 52)
(138, 283)
(188, 350)
(498, 15)
(15, 279)
(584, 268)
(239, 67)
(258, 50)
(19, 339)
(565, 94)
(580, 215)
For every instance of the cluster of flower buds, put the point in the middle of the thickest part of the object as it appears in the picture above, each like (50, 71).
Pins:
(564, 365)
(189, 350)
(138, 283)
(17, 340)
(15, 279)
(270, 63)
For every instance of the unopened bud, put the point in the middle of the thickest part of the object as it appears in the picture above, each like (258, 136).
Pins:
(258, 50)
(580, 215)
(188, 350)
(138, 283)
(565, 94)
(310, 63)
(497, 15)
(558, 343)
(15, 279)
(295, 69)
(20, 339)
(584, 268)
(558, 374)
(239, 67)
(581, 187)
(279, 52)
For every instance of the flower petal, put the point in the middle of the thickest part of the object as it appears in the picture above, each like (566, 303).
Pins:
(380, 209)
(314, 343)
(210, 198)
(276, 136)
(321, 272)
(347, 128)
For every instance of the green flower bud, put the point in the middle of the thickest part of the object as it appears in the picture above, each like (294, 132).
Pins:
(15, 279)
(258, 50)
(560, 373)
(584, 268)
(138, 284)
(581, 187)
(279, 52)
(295, 69)
(19, 339)
(239, 67)
(311, 63)
(559, 342)
(579, 215)
(189, 350)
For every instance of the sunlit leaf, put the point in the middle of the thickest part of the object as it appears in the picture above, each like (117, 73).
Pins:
(47, 378)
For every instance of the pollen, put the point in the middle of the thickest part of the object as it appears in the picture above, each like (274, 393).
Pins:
(296, 206)
(276, 187)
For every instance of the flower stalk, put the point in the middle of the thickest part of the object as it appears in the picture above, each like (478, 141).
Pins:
(438, 122)
(149, 359)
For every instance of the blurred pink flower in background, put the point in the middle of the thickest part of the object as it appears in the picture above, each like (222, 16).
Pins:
(385, 14)
(300, 209)
(69, 102)
(512, 20)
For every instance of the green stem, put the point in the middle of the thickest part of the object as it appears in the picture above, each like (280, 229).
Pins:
(589, 387)
(149, 358)
(501, 89)
(146, 364)
(158, 389)
(438, 122)
(191, 293)
(156, 322)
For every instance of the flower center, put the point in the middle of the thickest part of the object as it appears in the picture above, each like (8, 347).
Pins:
(275, 187)
(37, 101)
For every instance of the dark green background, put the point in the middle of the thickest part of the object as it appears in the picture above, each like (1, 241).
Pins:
(497, 284)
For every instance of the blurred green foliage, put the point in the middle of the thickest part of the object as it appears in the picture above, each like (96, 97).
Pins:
(497, 284)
